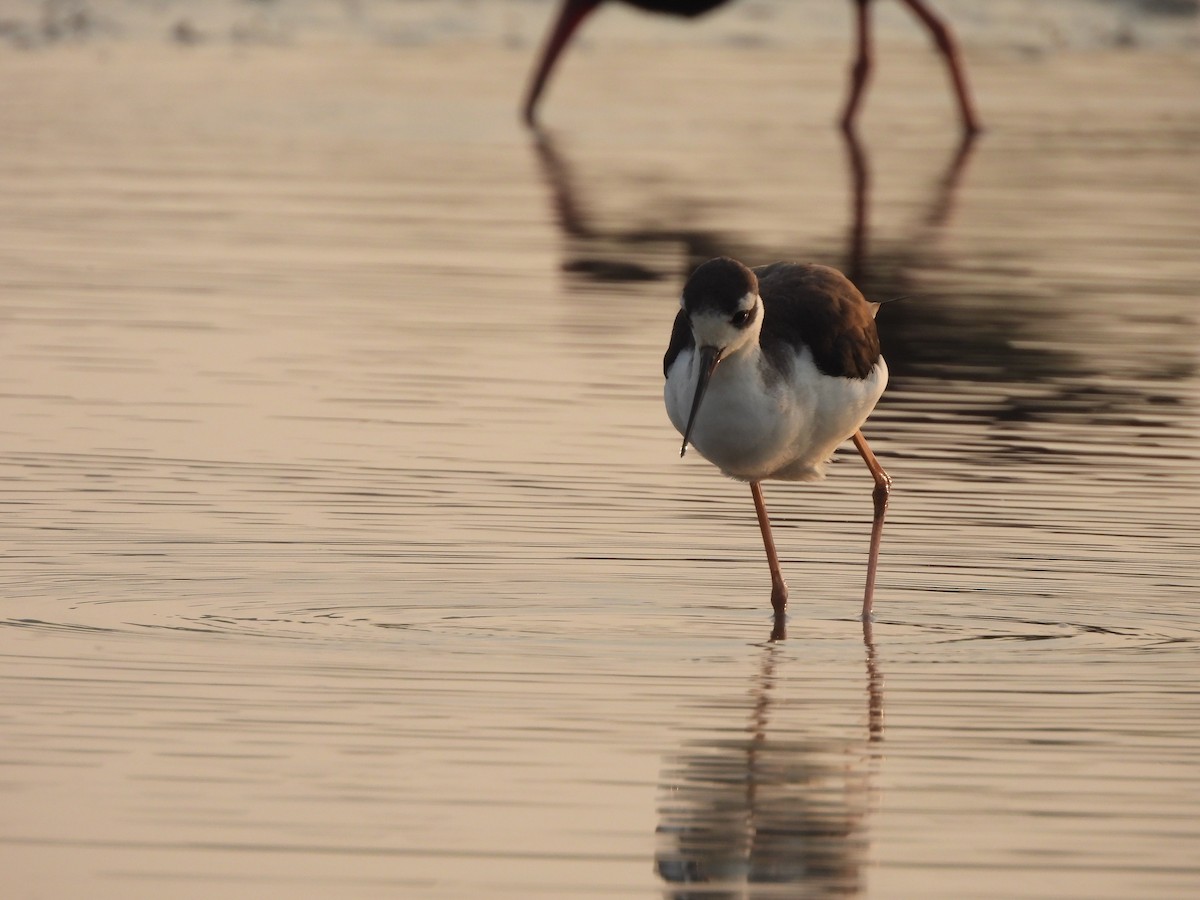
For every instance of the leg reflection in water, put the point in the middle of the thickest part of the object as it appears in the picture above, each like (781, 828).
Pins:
(787, 803)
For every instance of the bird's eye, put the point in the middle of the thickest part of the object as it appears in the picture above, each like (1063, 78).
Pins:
(741, 317)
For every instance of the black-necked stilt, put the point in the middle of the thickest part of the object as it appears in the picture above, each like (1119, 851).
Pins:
(768, 371)
(573, 12)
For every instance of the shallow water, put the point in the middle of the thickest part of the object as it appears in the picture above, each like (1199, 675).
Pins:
(347, 549)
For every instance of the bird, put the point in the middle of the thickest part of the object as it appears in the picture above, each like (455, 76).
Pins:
(573, 12)
(768, 371)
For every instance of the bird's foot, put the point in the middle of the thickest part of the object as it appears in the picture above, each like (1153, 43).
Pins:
(779, 597)
(779, 627)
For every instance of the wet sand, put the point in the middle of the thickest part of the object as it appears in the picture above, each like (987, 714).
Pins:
(347, 547)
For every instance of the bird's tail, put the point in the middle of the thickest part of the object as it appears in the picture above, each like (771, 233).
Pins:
(875, 304)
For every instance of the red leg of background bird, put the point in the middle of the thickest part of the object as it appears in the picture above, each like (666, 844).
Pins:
(572, 13)
(883, 487)
(949, 49)
(861, 68)
(779, 592)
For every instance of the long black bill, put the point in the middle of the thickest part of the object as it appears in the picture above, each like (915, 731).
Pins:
(709, 357)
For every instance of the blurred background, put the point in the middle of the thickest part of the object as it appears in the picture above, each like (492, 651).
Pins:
(347, 547)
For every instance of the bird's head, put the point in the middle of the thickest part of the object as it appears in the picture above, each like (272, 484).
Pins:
(725, 313)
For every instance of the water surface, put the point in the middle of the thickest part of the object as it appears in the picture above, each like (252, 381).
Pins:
(347, 547)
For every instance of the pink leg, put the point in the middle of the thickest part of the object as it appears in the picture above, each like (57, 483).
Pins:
(948, 47)
(883, 487)
(779, 591)
(860, 71)
(572, 13)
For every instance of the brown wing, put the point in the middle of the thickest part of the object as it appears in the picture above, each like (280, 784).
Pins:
(820, 308)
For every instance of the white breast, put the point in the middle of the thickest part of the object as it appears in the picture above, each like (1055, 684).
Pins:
(756, 423)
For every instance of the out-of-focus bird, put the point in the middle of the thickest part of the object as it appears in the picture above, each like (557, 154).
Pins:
(573, 12)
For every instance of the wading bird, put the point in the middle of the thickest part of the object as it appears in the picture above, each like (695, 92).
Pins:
(573, 12)
(767, 372)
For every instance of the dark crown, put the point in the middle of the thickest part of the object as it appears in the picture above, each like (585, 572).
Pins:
(718, 285)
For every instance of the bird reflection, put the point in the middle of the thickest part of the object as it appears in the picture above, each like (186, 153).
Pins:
(886, 270)
(600, 256)
(764, 809)
(604, 256)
